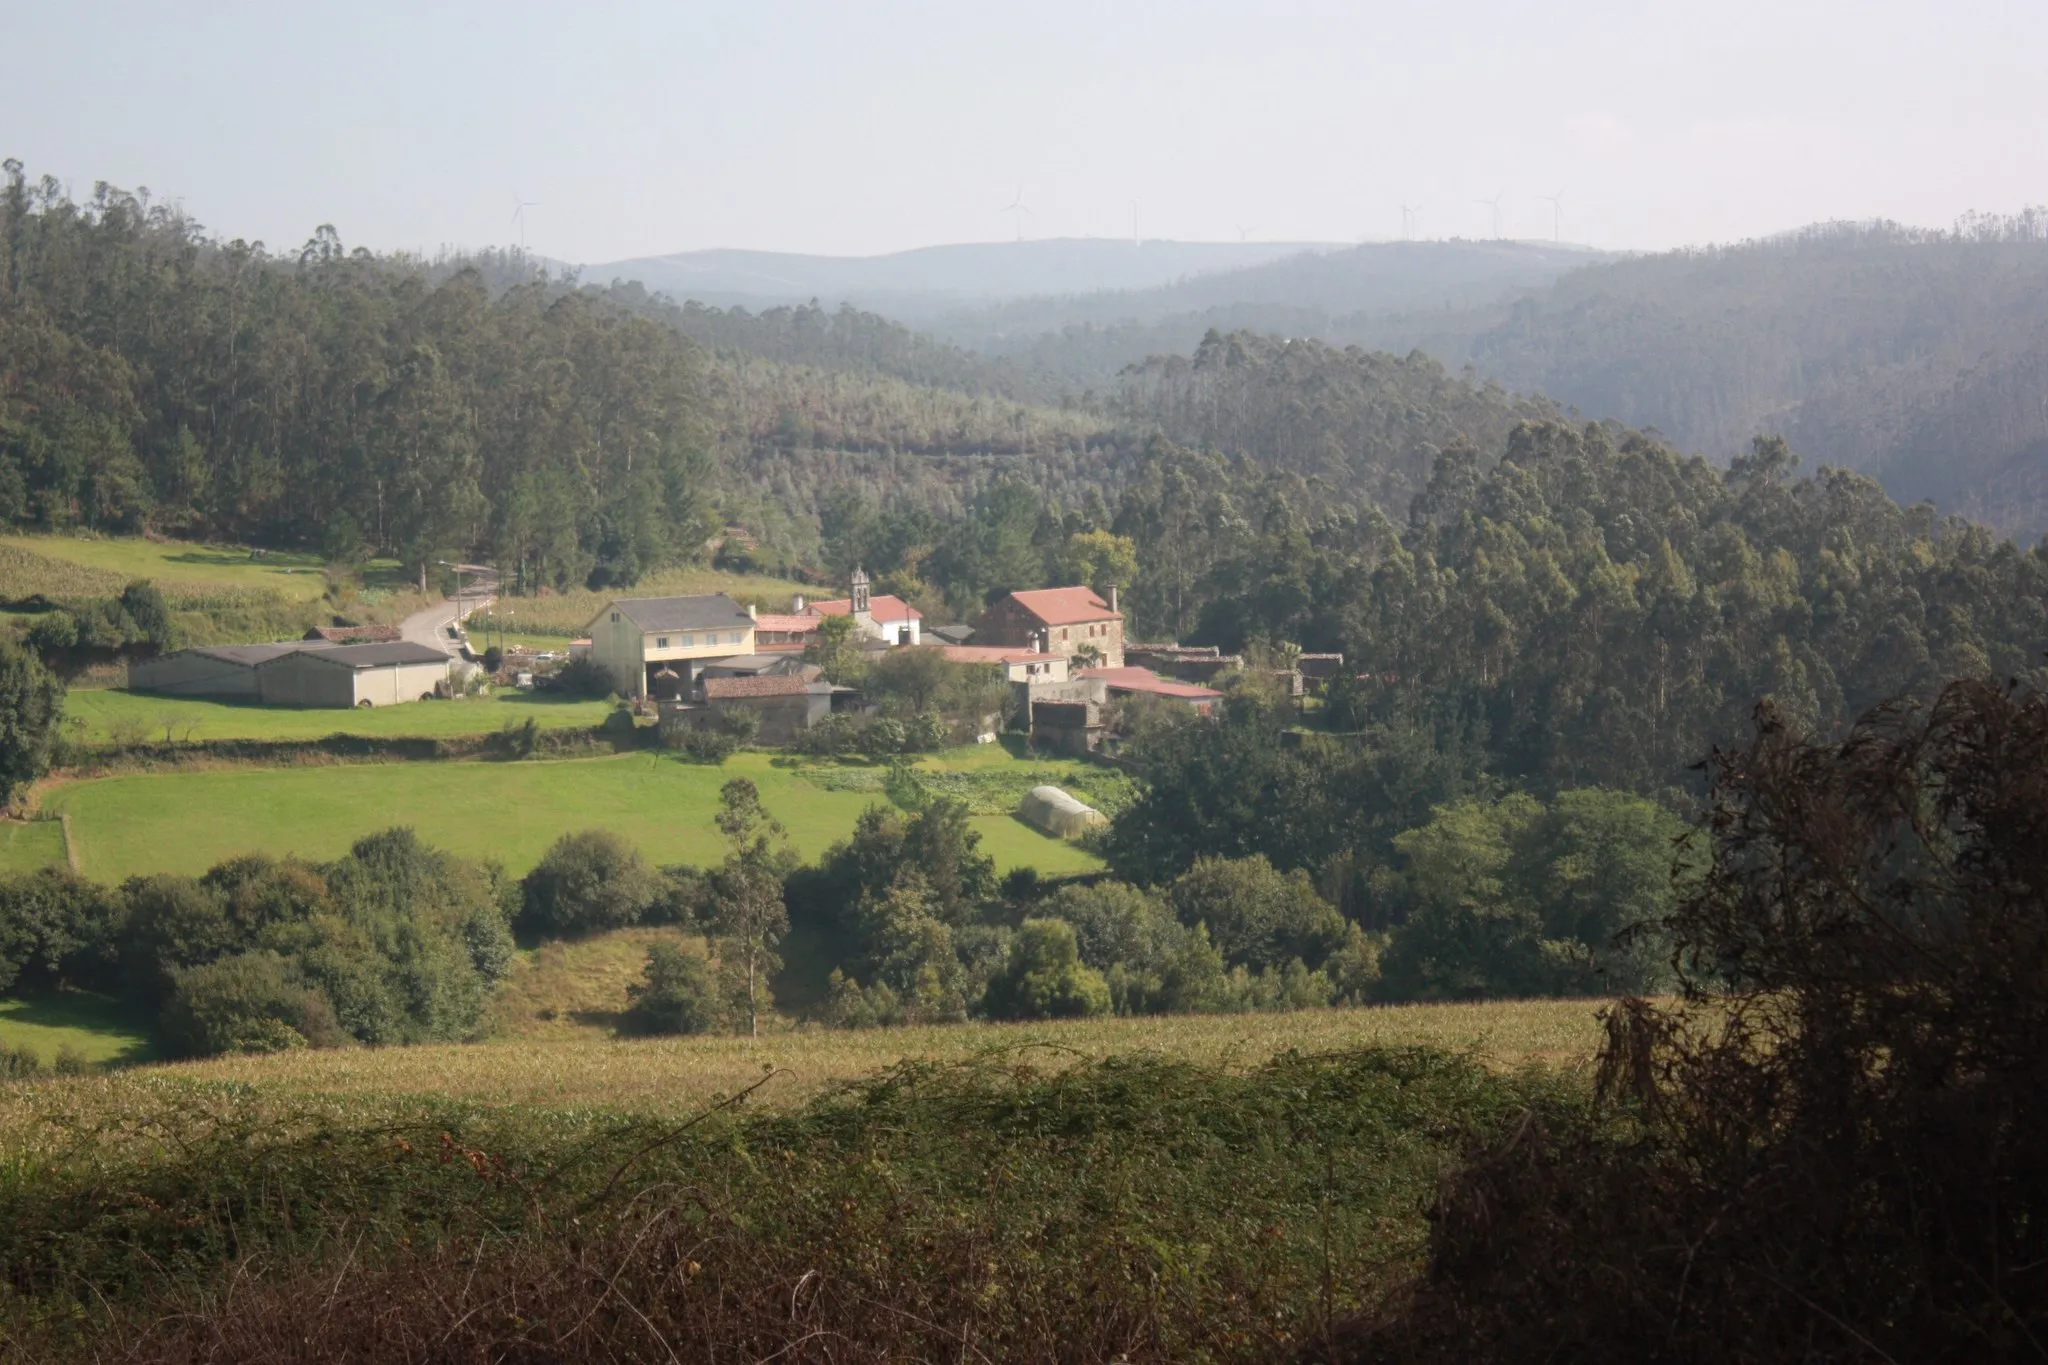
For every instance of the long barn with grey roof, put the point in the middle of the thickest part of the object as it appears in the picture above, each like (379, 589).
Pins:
(311, 673)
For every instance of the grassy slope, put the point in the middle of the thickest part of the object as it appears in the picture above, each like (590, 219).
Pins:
(91, 1024)
(557, 1068)
(27, 845)
(91, 567)
(570, 990)
(187, 821)
(198, 718)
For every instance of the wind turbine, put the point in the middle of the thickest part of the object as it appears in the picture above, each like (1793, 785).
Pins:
(1494, 204)
(1244, 234)
(1556, 202)
(1017, 207)
(519, 208)
(1409, 214)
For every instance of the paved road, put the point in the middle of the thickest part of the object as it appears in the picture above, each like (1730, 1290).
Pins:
(430, 627)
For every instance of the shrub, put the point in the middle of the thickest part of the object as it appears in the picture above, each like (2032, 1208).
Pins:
(1257, 915)
(31, 708)
(1045, 977)
(677, 993)
(518, 739)
(251, 1002)
(586, 883)
(1153, 963)
(150, 616)
(493, 659)
(926, 731)
(832, 736)
(19, 1062)
(585, 677)
(702, 743)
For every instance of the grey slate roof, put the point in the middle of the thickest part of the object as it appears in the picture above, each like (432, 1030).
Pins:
(251, 655)
(712, 611)
(375, 656)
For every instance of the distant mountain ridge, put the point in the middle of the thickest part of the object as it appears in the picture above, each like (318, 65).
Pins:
(928, 280)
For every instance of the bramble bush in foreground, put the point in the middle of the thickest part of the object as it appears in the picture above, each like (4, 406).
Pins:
(1014, 1208)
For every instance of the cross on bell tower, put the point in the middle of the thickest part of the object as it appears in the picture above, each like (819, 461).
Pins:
(860, 591)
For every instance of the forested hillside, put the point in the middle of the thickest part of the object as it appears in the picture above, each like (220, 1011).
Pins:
(1595, 607)
(1366, 424)
(155, 377)
(1077, 342)
(1915, 355)
(150, 375)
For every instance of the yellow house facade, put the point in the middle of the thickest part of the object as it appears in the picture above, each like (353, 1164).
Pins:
(650, 644)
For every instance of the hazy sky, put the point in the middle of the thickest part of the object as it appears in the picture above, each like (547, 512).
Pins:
(855, 128)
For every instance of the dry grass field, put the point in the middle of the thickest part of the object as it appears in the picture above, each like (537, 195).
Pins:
(582, 1071)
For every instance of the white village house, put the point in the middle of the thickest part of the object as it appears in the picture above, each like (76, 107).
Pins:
(652, 646)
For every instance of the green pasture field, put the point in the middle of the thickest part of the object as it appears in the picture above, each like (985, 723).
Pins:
(90, 1024)
(101, 716)
(29, 844)
(187, 821)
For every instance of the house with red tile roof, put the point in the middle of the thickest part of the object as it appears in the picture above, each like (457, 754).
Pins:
(887, 618)
(1074, 622)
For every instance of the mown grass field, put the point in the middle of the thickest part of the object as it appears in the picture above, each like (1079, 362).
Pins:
(564, 615)
(29, 844)
(91, 1025)
(187, 821)
(105, 714)
(578, 1069)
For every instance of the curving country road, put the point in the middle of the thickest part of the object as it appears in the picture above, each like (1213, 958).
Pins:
(430, 627)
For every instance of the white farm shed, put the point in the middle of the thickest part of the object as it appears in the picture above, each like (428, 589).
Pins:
(353, 675)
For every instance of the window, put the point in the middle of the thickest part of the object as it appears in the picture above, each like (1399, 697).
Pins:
(615, 618)
(661, 642)
(689, 642)
(739, 638)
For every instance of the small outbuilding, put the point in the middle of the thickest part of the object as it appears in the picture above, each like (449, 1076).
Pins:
(785, 702)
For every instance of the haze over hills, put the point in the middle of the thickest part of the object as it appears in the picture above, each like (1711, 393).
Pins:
(919, 283)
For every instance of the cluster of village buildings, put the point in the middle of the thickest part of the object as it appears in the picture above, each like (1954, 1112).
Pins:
(1062, 650)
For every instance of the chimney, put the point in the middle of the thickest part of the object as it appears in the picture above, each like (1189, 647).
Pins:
(754, 610)
(796, 607)
(1112, 597)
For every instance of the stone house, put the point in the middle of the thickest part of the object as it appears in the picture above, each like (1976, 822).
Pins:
(1073, 622)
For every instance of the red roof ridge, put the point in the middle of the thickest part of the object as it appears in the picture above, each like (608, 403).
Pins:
(1065, 606)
